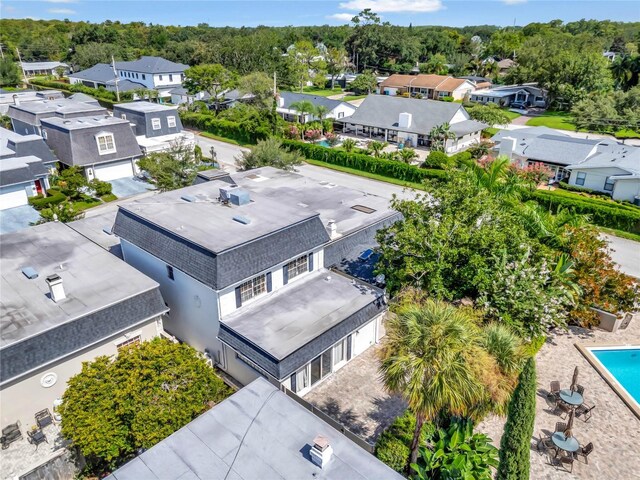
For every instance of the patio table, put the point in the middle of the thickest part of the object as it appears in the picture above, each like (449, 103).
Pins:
(572, 398)
(570, 444)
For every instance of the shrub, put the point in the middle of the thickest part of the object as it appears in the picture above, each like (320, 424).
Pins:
(515, 446)
(438, 160)
(575, 188)
(447, 99)
(100, 188)
(601, 212)
(462, 157)
(54, 198)
(393, 446)
(224, 128)
(365, 163)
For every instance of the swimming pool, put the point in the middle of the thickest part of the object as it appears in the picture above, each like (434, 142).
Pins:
(620, 368)
(324, 143)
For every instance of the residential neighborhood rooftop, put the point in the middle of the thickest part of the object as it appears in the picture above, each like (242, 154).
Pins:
(62, 106)
(293, 317)
(29, 66)
(293, 97)
(92, 280)
(145, 107)
(20, 169)
(13, 144)
(80, 123)
(148, 64)
(258, 432)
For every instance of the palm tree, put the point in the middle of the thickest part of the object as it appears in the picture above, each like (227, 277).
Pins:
(303, 107)
(622, 70)
(425, 359)
(348, 144)
(321, 112)
(407, 155)
(439, 136)
(376, 148)
(496, 177)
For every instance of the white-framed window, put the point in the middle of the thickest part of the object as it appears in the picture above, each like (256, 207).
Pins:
(155, 123)
(171, 121)
(608, 185)
(144, 77)
(252, 288)
(297, 267)
(340, 114)
(580, 178)
(106, 143)
(129, 341)
(160, 77)
(170, 78)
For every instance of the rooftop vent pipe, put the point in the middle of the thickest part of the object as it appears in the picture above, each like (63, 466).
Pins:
(321, 451)
(55, 287)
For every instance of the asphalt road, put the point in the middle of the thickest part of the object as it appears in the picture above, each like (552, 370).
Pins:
(225, 152)
(626, 253)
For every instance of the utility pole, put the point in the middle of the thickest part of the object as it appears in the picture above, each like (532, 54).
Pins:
(275, 88)
(115, 74)
(2, 51)
(24, 74)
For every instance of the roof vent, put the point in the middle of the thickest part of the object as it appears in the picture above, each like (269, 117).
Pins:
(30, 272)
(188, 198)
(241, 219)
(226, 191)
(56, 290)
(321, 451)
(332, 228)
(239, 196)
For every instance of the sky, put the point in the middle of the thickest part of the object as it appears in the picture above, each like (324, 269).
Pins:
(305, 12)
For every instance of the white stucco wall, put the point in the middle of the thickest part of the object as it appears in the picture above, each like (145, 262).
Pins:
(626, 189)
(460, 116)
(596, 177)
(21, 399)
(342, 110)
(462, 90)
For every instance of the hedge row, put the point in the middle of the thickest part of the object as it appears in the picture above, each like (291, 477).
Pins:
(99, 93)
(605, 214)
(55, 197)
(365, 163)
(515, 447)
(223, 128)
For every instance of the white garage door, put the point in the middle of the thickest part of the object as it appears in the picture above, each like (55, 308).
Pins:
(13, 196)
(113, 171)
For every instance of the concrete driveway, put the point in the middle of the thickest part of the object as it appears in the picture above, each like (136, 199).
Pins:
(626, 253)
(17, 218)
(225, 152)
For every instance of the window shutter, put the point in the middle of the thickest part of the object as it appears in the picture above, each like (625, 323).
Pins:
(310, 262)
(268, 281)
(293, 383)
(238, 298)
(285, 274)
(349, 348)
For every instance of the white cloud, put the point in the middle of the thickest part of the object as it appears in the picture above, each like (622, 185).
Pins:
(380, 6)
(62, 11)
(345, 17)
(513, 2)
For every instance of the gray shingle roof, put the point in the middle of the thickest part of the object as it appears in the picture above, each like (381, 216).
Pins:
(100, 72)
(21, 170)
(300, 322)
(83, 97)
(611, 154)
(257, 433)
(383, 111)
(317, 100)
(104, 296)
(148, 64)
(15, 145)
(31, 66)
(466, 127)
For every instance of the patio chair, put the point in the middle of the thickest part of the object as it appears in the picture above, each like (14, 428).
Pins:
(36, 437)
(10, 434)
(585, 451)
(560, 427)
(562, 409)
(580, 389)
(584, 411)
(563, 461)
(546, 445)
(43, 418)
(554, 391)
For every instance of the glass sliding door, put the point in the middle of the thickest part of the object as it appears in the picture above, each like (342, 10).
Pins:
(316, 370)
(326, 363)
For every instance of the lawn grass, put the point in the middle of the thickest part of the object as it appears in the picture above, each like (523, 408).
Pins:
(350, 98)
(557, 120)
(512, 115)
(110, 197)
(373, 176)
(620, 233)
(490, 132)
(225, 139)
(322, 92)
(86, 203)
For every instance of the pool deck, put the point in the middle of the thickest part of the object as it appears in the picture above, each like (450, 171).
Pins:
(613, 428)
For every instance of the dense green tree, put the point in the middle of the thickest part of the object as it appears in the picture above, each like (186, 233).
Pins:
(88, 54)
(213, 79)
(491, 114)
(337, 62)
(10, 74)
(175, 168)
(364, 83)
(505, 43)
(260, 85)
(437, 64)
(269, 152)
(115, 406)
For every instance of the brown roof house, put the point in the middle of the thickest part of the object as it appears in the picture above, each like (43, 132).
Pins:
(427, 86)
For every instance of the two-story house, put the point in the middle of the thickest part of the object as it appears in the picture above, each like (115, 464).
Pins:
(64, 300)
(103, 145)
(16, 98)
(247, 270)
(156, 126)
(26, 117)
(152, 73)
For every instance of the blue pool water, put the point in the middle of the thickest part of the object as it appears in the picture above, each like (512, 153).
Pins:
(324, 143)
(624, 365)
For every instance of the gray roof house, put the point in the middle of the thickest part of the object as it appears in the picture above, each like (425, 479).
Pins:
(25, 165)
(64, 300)
(156, 126)
(528, 94)
(16, 98)
(32, 69)
(257, 433)
(104, 145)
(335, 108)
(409, 121)
(146, 72)
(26, 117)
(269, 300)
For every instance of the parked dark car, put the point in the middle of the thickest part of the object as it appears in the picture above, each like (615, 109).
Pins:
(518, 105)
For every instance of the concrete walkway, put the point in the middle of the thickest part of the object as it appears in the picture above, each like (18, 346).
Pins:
(613, 428)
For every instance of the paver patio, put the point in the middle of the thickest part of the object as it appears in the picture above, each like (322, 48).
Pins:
(354, 397)
(613, 428)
